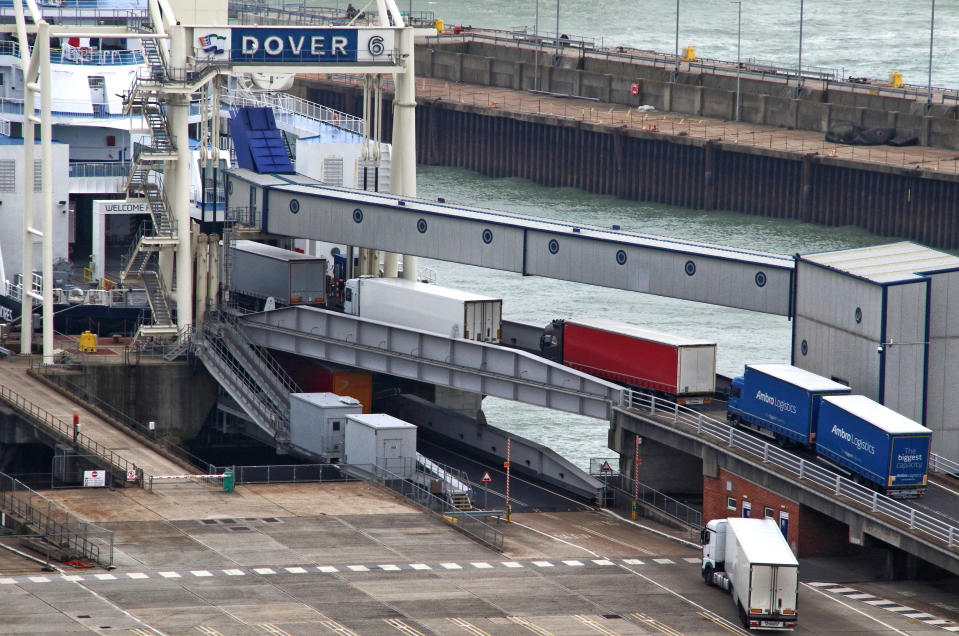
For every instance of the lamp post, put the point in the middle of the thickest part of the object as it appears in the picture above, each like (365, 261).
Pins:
(677, 41)
(932, 29)
(538, 44)
(739, 43)
(557, 27)
(799, 67)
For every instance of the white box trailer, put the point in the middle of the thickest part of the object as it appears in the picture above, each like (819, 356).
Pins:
(381, 440)
(426, 306)
(318, 422)
(752, 561)
(262, 271)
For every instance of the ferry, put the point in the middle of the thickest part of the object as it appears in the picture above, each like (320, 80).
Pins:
(101, 195)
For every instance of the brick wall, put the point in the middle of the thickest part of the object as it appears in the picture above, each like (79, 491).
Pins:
(808, 532)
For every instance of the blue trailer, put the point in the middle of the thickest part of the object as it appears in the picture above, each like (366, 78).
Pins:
(780, 400)
(881, 446)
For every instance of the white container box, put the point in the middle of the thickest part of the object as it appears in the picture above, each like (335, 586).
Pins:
(383, 440)
(318, 422)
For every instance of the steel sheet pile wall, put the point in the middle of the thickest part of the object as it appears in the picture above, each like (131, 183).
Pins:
(650, 166)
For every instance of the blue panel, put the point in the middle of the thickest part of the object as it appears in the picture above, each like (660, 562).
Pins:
(910, 454)
(855, 443)
(293, 45)
(259, 145)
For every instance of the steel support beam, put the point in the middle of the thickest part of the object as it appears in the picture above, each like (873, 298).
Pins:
(466, 365)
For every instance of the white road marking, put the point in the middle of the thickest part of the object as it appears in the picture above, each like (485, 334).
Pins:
(858, 611)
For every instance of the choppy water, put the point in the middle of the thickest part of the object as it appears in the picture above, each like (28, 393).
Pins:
(741, 336)
(856, 37)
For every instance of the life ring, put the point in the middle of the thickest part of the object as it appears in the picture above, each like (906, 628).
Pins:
(336, 119)
(84, 52)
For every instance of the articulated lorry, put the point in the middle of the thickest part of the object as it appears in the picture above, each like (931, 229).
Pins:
(261, 271)
(780, 401)
(881, 448)
(681, 368)
(750, 559)
(425, 306)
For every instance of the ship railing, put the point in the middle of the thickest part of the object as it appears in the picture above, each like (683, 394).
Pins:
(60, 528)
(84, 108)
(73, 12)
(806, 471)
(290, 104)
(100, 168)
(85, 57)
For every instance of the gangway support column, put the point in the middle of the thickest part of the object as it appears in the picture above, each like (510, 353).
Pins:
(403, 180)
(46, 201)
(178, 109)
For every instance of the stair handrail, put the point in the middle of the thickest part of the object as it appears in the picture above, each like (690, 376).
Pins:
(273, 366)
(155, 275)
(211, 340)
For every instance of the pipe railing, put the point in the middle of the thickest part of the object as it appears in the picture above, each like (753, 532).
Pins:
(67, 433)
(802, 469)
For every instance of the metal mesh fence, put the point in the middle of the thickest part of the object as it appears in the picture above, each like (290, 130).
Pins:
(63, 533)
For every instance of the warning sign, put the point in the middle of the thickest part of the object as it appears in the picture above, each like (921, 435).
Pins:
(132, 474)
(486, 478)
(605, 468)
(94, 478)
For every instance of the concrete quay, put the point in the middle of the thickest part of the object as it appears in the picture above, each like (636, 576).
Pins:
(355, 559)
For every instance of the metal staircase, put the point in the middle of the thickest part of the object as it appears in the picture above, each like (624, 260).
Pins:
(145, 181)
(461, 501)
(157, 297)
(153, 58)
(248, 374)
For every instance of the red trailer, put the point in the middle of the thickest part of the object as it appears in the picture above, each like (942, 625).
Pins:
(679, 367)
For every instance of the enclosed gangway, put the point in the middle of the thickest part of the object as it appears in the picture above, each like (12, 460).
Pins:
(296, 206)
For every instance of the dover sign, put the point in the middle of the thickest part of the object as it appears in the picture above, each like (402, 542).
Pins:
(291, 45)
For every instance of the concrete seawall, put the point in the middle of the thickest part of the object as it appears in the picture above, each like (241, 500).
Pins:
(614, 78)
(678, 168)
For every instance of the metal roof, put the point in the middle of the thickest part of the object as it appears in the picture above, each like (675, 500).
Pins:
(379, 421)
(882, 417)
(295, 185)
(798, 377)
(327, 399)
(890, 263)
(762, 541)
(271, 251)
(425, 288)
(614, 326)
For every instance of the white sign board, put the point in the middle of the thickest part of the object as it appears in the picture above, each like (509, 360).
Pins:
(94, 478)
(101, 209)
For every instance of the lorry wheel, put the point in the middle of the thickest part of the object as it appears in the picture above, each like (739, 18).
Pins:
(742, 616)
(708, 575)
